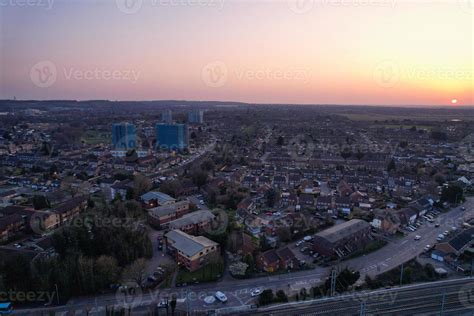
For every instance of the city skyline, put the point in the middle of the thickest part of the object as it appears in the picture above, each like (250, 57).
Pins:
(289, 52)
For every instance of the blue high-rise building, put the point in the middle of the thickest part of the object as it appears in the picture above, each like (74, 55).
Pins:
(124, 136)
(196, 116)
(171, 136)
(167, 117)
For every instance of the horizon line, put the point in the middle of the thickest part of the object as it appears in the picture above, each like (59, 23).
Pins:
(414, 106)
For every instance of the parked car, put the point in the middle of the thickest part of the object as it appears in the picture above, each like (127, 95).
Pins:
(221, 296)
(256, 292)
(417, 237)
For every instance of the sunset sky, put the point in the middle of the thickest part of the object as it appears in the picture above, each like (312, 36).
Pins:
(375, 52)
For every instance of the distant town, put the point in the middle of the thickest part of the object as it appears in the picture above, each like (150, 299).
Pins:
(222, 208)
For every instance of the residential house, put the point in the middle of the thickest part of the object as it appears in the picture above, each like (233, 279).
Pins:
(306, 200)
(458, 244)
(342, 204)
(288, 259)
(386, 222)
(269, 261)
(407, 216)
(324, 203)
(121, 189)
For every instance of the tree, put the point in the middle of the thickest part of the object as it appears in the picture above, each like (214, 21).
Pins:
(208, 165)
(266, 297)
(170, 187)
(280, 141)
(238, 268)
(439, 178)
(284, 233)
(270, 195)
(392, 166)
(40, 202)
(68, 184)
(439, 135)
(106, 271)
(403, 144)
(173, 304)
(281, 296)
(452, 194)
(250, 261)
(303, 293)
(136, 271)
(199, 177)
(141, 185)
(346, 153)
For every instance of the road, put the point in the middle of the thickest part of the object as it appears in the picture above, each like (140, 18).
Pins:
(404, 249)
(449, 297)
(238, 291)
(197, 155)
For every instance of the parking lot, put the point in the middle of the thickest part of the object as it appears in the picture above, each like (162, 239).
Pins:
(303, 250)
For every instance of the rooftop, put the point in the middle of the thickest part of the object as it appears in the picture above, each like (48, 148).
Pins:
(187, 244)
(167, 209)
(192, 218)
(344, 230)
(155, 195)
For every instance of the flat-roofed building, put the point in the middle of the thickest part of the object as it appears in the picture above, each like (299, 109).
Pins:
(192, 252)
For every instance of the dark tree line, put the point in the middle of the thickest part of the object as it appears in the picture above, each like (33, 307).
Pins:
(91, 253)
